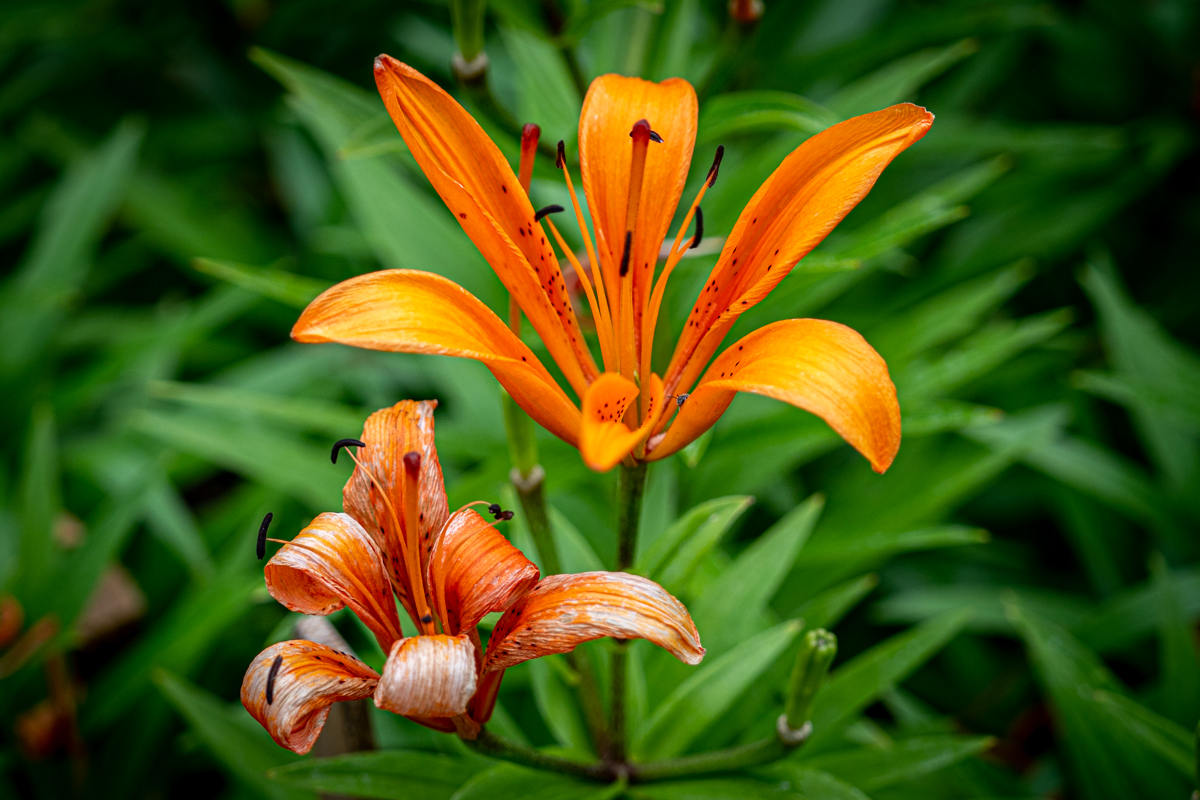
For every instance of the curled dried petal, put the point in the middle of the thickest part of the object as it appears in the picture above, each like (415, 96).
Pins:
(428, 676)
(333, 563)
(565, 610)
(309, 679)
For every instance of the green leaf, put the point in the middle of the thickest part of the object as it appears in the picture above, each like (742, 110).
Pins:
(978, 355)
(246, 750)
(827, 608)
(1179, 693)
(390, 775)
(1107, 763)
(574, 550)
(169, 518)
(40, 500)
(296, 291)
(511, 782)
(860, 681)
(759, 111)
(1176, 744)
(674, 555)
(722, 789)
(870, 768)
(557, 703)
(303, 413)
(57, 262)
(811, 783)
(899, 80)
(1144, 354)
(709, 691)
(828, 559)
(279, 462)
(404, 226)
(546, 95)
(737, 598)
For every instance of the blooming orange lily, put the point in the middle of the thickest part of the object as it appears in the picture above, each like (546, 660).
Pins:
(635, 146)
(397, 540)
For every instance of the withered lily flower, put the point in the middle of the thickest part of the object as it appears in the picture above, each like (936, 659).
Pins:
(397, 541)
(635, 146)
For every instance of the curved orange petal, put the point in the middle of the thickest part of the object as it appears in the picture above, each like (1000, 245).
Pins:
(334, 563)
(565, 610)
(820, 366)
(612, 105)
(803, 200)
(390, 433)
(309, 679)
(407, 311)
(428, 676)
(478, 185)
(603, 438)
(476, 571)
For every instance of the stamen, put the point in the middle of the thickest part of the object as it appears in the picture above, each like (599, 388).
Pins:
(654, 137)
(699, 229)
(650, 319)
(529, 142)
(562, 155)
(261, 548)
(412, 476)
(542, 212)
(494, 509)
(716, 165)
(599, 312)
(272, 674)
(340, 443)
(605, 318)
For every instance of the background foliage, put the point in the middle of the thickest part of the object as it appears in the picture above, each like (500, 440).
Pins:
(1016, 599)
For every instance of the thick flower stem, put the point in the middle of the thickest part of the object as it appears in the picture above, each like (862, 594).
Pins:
(631, 487)
(489, 744)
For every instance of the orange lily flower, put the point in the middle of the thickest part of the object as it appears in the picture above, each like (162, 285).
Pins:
(398, 541)
(635, 146)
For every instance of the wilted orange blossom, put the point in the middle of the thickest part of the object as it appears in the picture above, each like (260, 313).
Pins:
(397, 540)
(635, 146)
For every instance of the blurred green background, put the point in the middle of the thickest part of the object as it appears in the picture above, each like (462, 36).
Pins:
(178, 179)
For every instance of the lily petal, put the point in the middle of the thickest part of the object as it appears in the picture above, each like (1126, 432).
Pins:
(612, 105)
(565, 610)
(390, 433)
(603, 438)
(476, 182)
(407, 311)
(794, 209)
(333, 563)
(309, 679)
(428, 676)
(477, 571)
(820, 366)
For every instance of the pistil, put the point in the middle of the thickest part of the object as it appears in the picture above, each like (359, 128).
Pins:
(529, 142)
(412, 486)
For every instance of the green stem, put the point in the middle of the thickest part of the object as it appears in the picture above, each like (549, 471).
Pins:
(749, 755)
(631, 487)
(533, 504)
(489, 744)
